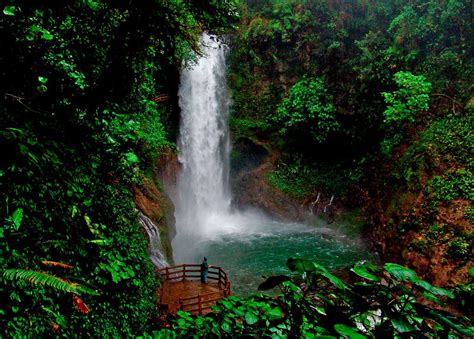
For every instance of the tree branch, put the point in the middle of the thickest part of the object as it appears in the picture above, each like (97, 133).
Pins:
(20, 101)
(454, 101)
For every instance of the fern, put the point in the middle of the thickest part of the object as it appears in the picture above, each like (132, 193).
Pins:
(45, 279)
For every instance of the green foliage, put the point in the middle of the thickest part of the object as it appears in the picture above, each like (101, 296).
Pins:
(77, 123)
(449, 139)
(388, 145)
(41, 278)
(307, 112)
(403, 105)
(434, 34)
(469, 214)
(441, 144)
(15, 219)
(301, 179)
(437, 167)
(408, 100)
(457, 184)
(9, 10)
(377, 59)
(389, 302)
(357, 47)
(248, 128)
(460, 248)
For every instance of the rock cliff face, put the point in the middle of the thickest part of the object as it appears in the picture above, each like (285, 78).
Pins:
(250, 165)
(152, 200)
(419, 204)
(399, 230)
(166, 172)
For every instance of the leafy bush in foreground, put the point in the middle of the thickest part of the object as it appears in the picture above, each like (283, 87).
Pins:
(384, 303)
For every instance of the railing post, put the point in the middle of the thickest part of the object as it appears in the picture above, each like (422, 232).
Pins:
(200, 304)
(223, 284)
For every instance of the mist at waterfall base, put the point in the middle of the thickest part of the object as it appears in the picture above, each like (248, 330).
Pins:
(245, 243)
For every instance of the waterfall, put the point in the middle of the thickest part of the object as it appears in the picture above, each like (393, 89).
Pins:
(244, 241)
(203, 199)
(156, 247)
(203, 193)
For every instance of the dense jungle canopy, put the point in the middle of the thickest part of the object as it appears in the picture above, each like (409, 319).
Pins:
(371, 102)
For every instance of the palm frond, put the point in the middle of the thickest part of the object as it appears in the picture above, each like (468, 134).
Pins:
(45, 279)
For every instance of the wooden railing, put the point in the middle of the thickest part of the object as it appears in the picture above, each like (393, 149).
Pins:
(190, 272)
(200, 303)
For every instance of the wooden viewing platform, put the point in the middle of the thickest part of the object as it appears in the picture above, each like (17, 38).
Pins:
(183, 290)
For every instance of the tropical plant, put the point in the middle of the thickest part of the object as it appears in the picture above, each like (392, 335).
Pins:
(408, 100)
(307, 113)
(389, 302)
(78, 124)
(41, 278)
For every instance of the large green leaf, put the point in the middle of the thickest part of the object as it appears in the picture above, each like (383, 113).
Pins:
(302, 265)
(17, 217)
(227, 327)
(132, 158)
(433, 289)
(400, 272)
(251, 318)
(432, 297)
(274, 313)
(101, 241)
(365, 271)
(339, 283)
(47, 35)
(272, 282)
(456, 326)
(348, 332)
(228, 305)
(9, 10)
(408, 275)
(402, 325)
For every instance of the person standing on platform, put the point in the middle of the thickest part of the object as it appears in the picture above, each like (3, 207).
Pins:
(204, 271)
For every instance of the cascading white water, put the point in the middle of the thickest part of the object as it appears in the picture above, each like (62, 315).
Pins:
(203, 199)
(156, 247)
(245, 242)
(203, 184)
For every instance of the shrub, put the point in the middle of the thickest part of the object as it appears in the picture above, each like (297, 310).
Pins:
(458, 184)
(459, 248)
(411, 98)
(307, 112)
(391, 302)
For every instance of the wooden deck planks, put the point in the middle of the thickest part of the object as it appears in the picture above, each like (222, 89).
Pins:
(171, 292)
